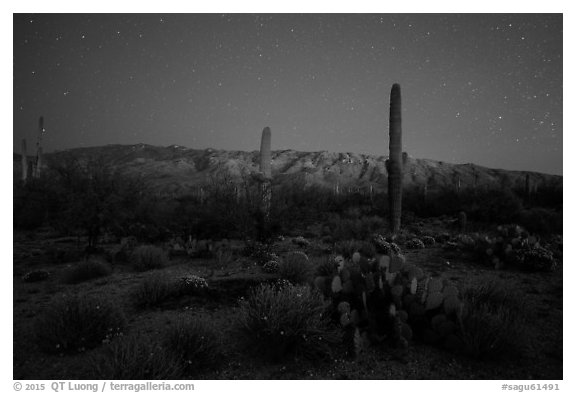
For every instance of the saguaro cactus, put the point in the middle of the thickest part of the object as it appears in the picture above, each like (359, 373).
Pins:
(24, 161)
(38, 163)
(527, 187)
(462, 221)
(266, 171)
(394, 164)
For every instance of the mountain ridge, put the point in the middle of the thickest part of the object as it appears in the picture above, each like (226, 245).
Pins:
(177, 169)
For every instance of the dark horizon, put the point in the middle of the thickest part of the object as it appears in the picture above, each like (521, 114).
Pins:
(476, 88)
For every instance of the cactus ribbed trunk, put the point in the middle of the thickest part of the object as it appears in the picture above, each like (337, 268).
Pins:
(38, 163)
(395, 160)
(527, 187)
(266, 170)
(462, 221)
(24, 161)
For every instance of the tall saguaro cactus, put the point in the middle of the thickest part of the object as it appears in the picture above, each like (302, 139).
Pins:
(38, 163)
(266, 171)
(395, 160)
(24, 161)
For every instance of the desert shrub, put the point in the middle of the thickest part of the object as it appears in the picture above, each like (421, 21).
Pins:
(541, 221)
(224, 257)
(327, 266)
(135, 357)
(58, 255)
(414, 244)
(301, 241)
(295, 267)
(192, 285)
(153, 290)
(260, 252)
(354, 228)
(271, 267)
(534, 259)
(74, 323)
(86, 270)
(195, 342)
(428, 240)
(347, 248)
(493, 321)
(284, 320)
(148, 257)
(36, 275)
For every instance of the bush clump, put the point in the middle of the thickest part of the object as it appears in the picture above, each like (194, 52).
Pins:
(271, 267)
(535, 259)
(86, 270)
(36, 275)
(347, 248)
(74, 323)
(295, 267)
(148, 257)
(135, 357)
(153, 290)
(277, 321)
(195, 343)
(493, 321)
(428, 240)
(192, 285)
(414, 244)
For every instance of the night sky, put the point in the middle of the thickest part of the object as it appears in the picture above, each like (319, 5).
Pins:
(480, 88)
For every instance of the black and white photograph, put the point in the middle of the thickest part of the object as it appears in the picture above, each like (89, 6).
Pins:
(287, 196)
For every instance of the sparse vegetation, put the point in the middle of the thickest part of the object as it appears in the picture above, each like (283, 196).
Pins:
(493, 322)
(86, 270)
(276, 322)
(148, 257)
(153, 290)
(295, 267)
(195, 342)
(135, 357)
(76, 323)
(352, 294)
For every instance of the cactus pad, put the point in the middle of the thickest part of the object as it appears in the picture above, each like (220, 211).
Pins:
(320, 283)
(364, 265)
(343, 307)
(403, 315)
(345, 274)
(345, 320)
(370, 284)
(450, 290)
(336, 284)
(413, 286)
(408, 299)
(355, 317)
(348, 287)
(397, 290)
(406, 331)
(417, 310)
(340, 262)
(396, 263)
(452, 305)
(356, 257)
(446, 328)
(392, 310)
(435, 285)
(434, 300)
(384, 262)
(437, 320)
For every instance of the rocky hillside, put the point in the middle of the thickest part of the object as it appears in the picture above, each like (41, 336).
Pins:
(177, 170)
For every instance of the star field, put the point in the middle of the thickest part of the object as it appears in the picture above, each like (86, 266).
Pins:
(480, 88)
